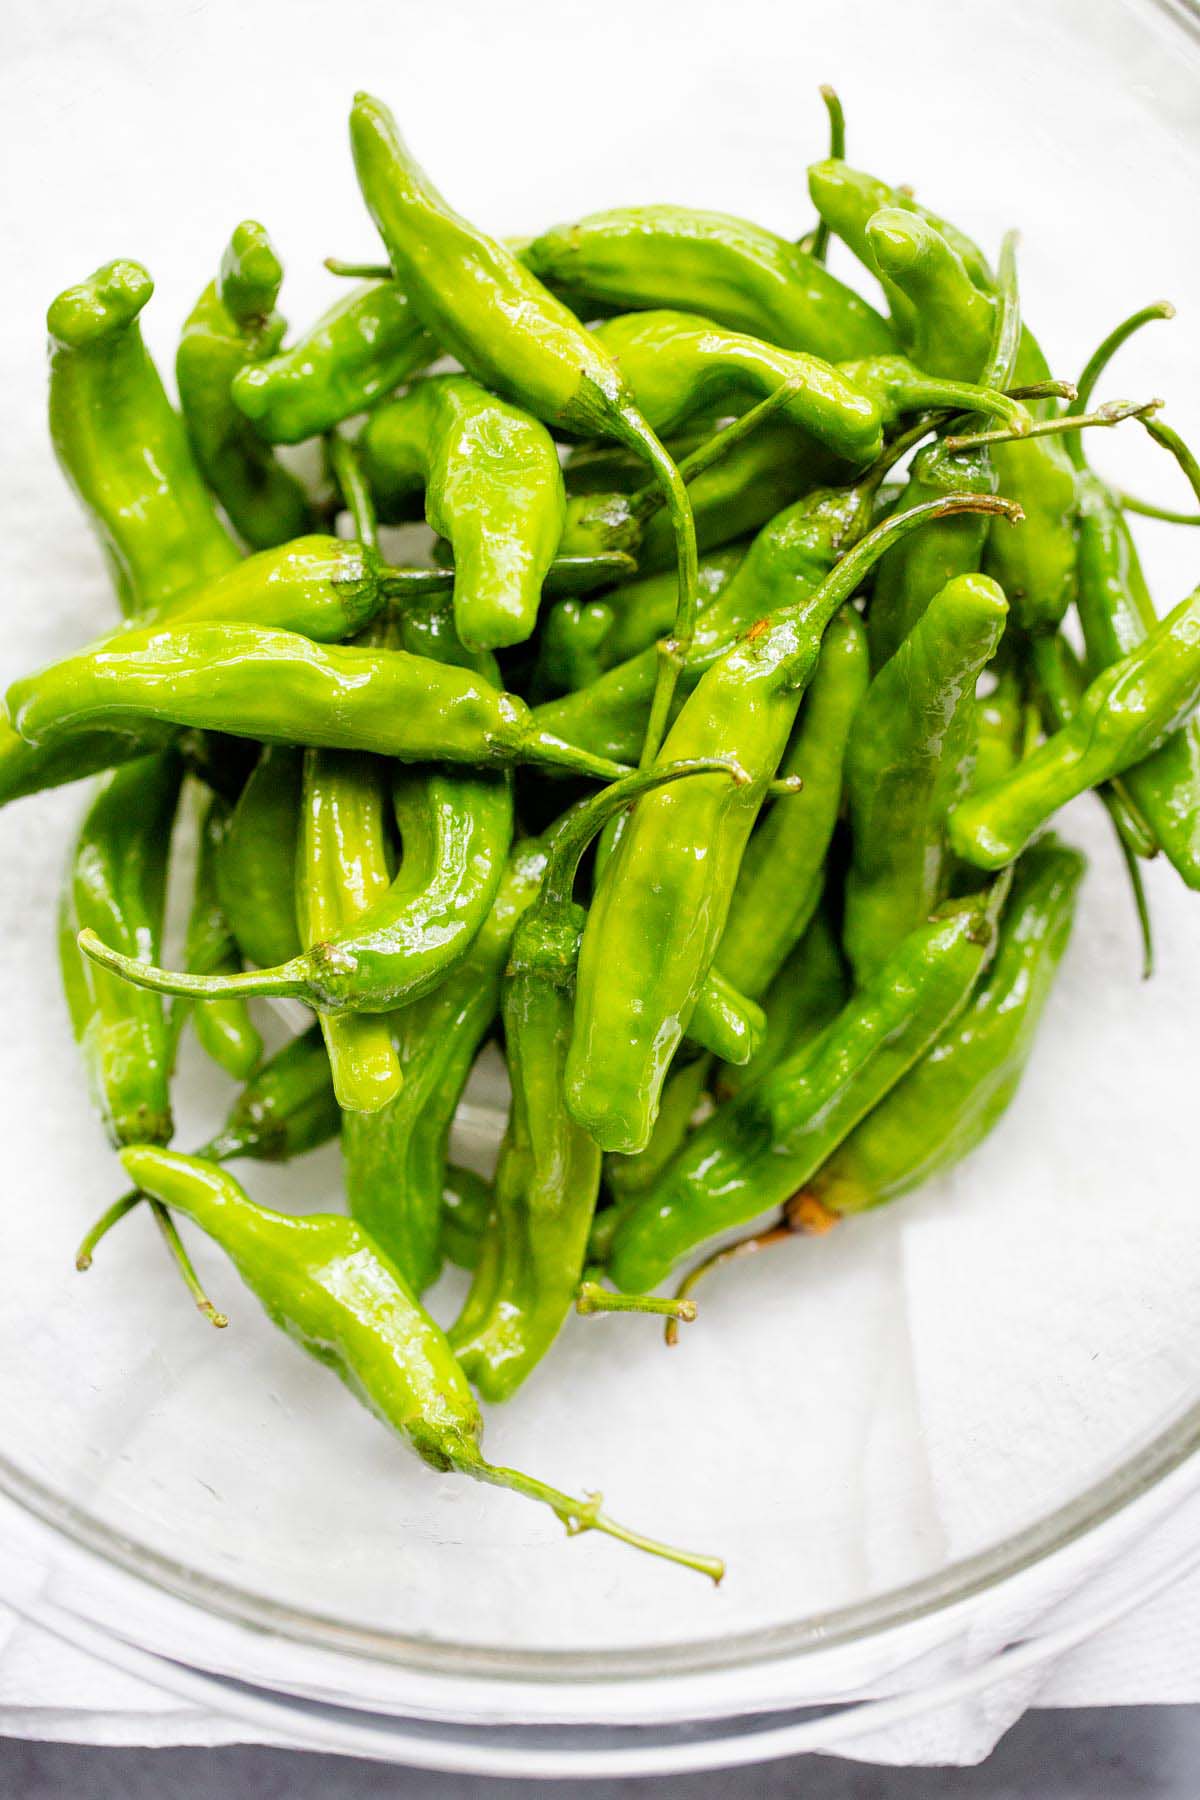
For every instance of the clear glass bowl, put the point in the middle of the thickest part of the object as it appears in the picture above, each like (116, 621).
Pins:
(874, 1429)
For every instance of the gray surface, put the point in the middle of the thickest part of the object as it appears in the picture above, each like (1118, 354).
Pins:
(1111, 1753)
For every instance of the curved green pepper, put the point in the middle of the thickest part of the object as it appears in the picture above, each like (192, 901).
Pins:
(256, 859)
(493, 487)
(948, 1103)
(323, 1281)
(223, 1026)
(341, 869)
(761, 1147)
(233, 325)
(395, 1159)
(282, 688)
(809, 991)
(117, 885)
(729, 270)
(356, 354)
(122, 447)
(908, 762)
(782, 873)
(508, 331)
(548, 1175)
(659, 910)
(1123, 717)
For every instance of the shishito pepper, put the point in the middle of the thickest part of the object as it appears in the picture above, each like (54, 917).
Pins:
(762, 1146)
(660, 907)
(323, 1280)
(548, 1175)
(233, 326)
(492, 486)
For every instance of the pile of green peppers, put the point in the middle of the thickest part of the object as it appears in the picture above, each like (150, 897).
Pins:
(706, 762)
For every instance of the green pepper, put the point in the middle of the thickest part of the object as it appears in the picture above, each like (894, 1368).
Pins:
(255, 862)
(1124, 716)
(908, 762)
(395, 1159)
(948, 1103)
(548, 1175)
(466, 1204)
(761, 1147)
(232, 326)
(782, 873)
(787, 560)
(280, 687)
(122, 447)
(809, 990)
(223, 1026)
(356, 354)
(739, 274)
(117, 885)
(488, 310)
(659, 910)
(1002, 725)
(1116, 613)
(323, 1281)
(493, 487)
(341, 869)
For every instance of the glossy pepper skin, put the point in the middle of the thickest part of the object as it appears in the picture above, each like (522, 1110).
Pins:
(341, 870)
(908, 762)
(510, 333)
(781, 877)
(223, 1026)
(725, 268)
(788, 560)
(355, 355)
(678, 364)
(548, 1175)
(1127, 711)
(280, 687)
(949, 1101)
(808, 992)
(285, 1109)
(233, 325)
(255, 861)
(116, 885)
(759, 1148)
(1117, 614)
(466, 1204)
(323, 1281)
(1002, 726)
(659, 910)
(124, 449)
(395, 1159)
(493, 487)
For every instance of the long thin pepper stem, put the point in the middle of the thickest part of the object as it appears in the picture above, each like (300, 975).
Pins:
(1113, 412)
(166, 1225)
(591, 1297)
(818, 245)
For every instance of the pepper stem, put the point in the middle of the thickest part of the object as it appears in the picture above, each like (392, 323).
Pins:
(1050, 389)
(1169, 438)
(1103, 354)
(570, 837)
(672, 651)
(289, 981)
(166, 1224)
(591, 1297)
(645, 501)
(1148, 510)
(347, 469)
(583, 1515)
(747, 1246)
(817, 243)
(1113, 412)
(840, 584)
(359, 271)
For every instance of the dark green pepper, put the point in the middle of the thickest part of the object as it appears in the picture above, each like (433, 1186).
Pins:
(256, 859)
(223, 1026)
